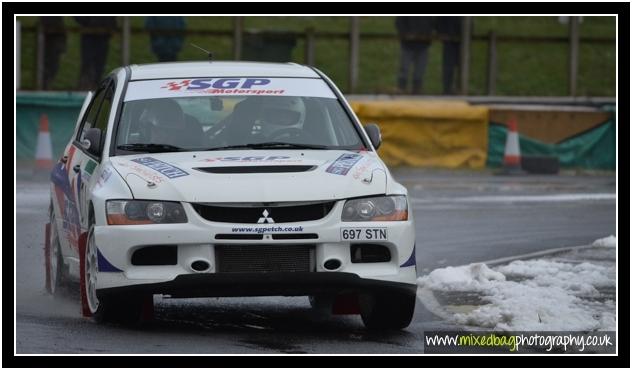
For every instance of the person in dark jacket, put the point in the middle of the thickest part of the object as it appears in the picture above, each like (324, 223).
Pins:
(449, 28)
(54, 46)
(414, 34)
(166, 47)
(94, 49)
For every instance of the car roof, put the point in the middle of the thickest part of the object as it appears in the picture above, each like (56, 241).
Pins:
(219, 69)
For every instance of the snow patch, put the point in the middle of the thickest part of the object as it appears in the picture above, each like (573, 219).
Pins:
(610, 242)
(581, 278)
(462, 278)
(531, 295)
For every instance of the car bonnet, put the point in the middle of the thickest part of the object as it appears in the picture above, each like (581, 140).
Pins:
(253, 175)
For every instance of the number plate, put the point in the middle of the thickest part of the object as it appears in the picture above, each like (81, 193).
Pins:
(363, 233)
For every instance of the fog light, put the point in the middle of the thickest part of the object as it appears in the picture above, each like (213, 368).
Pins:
(332, 264)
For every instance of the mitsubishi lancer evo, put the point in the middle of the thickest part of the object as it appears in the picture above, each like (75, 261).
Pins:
(228, 179)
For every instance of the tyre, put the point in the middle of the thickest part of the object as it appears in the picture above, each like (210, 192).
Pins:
(387, 311)
(321, 303)
(121, 309)
(57, 272)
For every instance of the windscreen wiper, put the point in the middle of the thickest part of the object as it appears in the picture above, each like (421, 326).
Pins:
(282, 145)
(270, 145)
(229, 147)
(150, 148)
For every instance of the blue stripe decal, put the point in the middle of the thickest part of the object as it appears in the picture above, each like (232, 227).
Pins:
(412, 260)
(105, 265)
(67, 204)
(59, 177)
(164, 168)
(343, 164)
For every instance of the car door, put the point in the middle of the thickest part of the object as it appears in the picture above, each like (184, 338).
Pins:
(65, 182)
(89, 163)
(58, 201)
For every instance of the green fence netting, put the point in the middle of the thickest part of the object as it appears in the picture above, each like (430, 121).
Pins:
(61, 109)
(593, 149)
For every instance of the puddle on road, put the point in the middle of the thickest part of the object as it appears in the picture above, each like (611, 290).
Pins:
(457, 298)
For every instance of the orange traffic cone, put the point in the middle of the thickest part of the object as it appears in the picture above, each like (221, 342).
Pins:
(44, 152)
(512, 161)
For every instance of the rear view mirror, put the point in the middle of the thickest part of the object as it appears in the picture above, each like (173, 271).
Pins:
(217, 104)
(373, 130)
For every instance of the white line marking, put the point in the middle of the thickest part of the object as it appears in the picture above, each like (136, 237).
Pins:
(519, 198)
(545, 252)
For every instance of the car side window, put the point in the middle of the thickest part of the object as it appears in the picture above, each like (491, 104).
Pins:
(104, 111)
(91, 114)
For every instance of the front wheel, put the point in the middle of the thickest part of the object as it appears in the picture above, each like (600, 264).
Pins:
(120, 309)
(387, 311)
(91, 268)
(112, 308)
(56, 271)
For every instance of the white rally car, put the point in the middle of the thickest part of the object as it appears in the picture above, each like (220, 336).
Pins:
(214, 179)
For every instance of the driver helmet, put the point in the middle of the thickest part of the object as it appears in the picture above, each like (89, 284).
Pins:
(165, 120)
(281, 112)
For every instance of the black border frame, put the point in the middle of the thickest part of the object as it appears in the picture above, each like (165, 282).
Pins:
(367, 361)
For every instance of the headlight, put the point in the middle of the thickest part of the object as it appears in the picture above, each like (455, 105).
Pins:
(138, 212)
(383, 208)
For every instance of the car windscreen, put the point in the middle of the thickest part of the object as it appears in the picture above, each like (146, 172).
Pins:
(207, 114)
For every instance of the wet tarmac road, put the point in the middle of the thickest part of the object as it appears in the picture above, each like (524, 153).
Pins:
(459, 219)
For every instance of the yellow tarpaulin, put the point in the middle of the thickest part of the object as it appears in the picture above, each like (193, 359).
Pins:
(428, 133)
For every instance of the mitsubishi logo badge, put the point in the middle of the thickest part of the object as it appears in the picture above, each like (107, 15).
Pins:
(265, 219)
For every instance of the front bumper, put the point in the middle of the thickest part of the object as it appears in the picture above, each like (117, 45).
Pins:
(197, 240)
(267, 284)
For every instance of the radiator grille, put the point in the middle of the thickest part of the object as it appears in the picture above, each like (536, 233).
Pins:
(264, 258)
(252, 214)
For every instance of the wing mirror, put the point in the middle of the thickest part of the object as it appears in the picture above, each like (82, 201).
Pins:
(93, 141)
(373, 130)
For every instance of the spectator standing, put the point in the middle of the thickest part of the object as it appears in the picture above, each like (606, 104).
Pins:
(165, 46)
(449, 28)
(54, 46)
(414, 34)
(94, 49)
